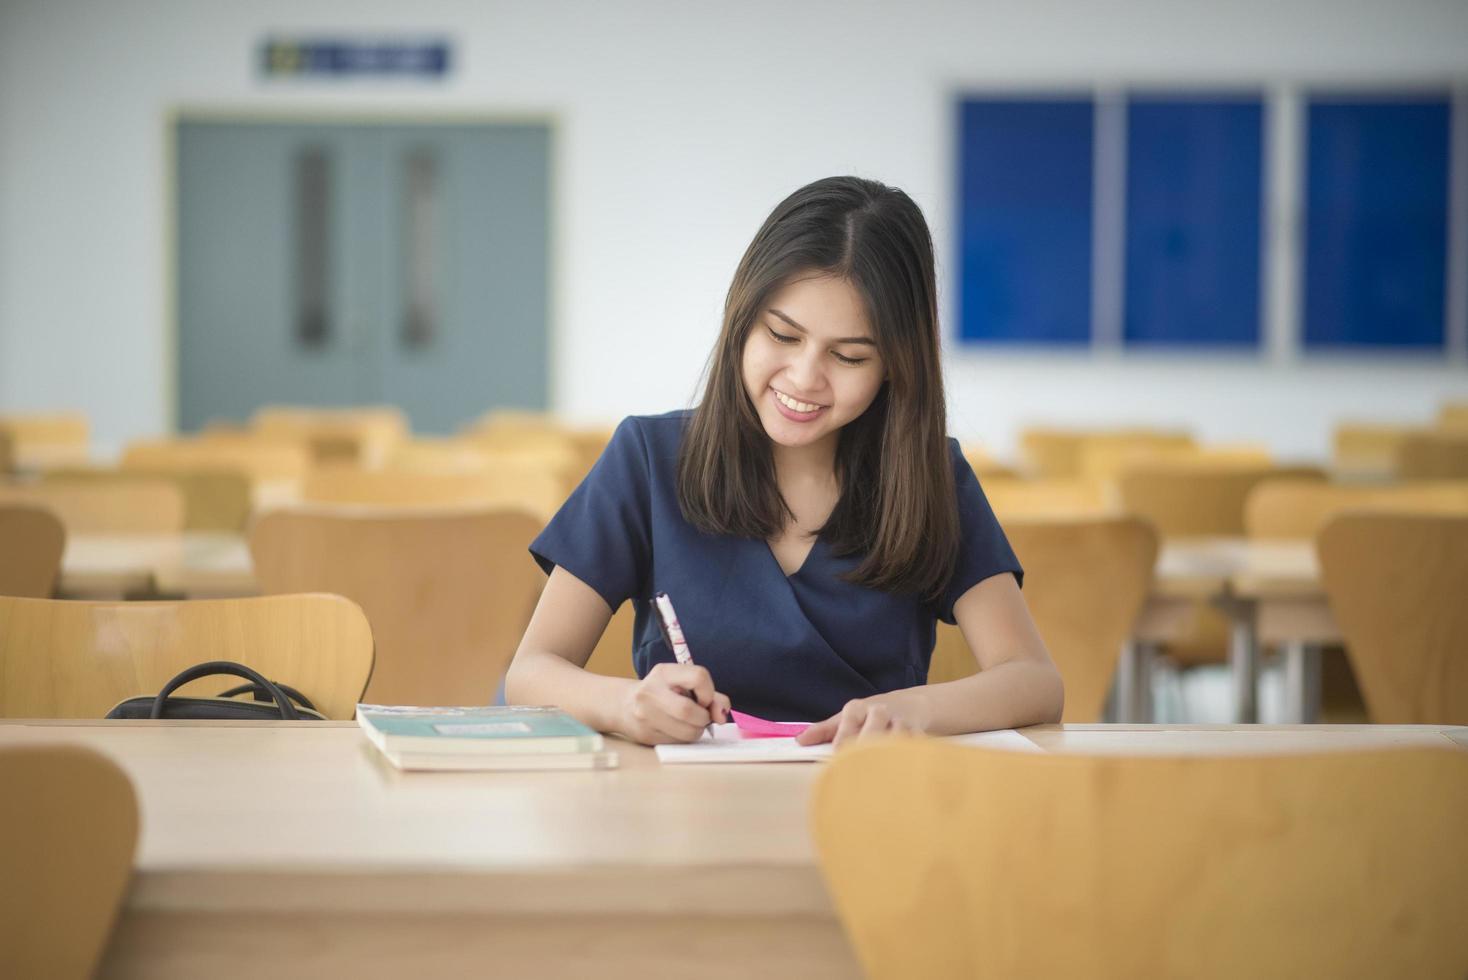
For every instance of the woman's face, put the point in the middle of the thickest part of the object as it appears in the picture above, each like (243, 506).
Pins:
(810, 362)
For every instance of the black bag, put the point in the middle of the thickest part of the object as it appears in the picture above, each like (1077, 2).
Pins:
(272, 701)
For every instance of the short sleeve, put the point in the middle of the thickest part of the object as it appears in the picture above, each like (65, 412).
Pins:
(983, 549)
(602, 534)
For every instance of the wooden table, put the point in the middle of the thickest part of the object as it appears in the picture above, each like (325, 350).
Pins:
(288, 849)
(196, 564)
(1273, 596)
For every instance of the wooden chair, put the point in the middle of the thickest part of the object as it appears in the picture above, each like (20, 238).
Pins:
(1105, 458)
(984, 465)
(1367, 450)
(1298, 509)
(613, 654)
(1060, 452)
(131, 507)
(1085, 584)
(32, 540)
(1396, 584)
(40, 440)
(949, 861)
(1193, 500)
(69, 818)
(1433, 455)
(448, 594)
(1047, 498)
(437, 456)
(362, 436)
(65, 659)
(589, 443)
(213, 500)
(257, 459)
(1453, 415)
(1199, 500)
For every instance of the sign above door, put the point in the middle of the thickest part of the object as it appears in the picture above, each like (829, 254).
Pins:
(336, 58)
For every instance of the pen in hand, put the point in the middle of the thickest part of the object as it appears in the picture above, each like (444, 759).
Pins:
(673, 633)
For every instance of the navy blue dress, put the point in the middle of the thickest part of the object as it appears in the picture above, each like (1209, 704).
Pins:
(792, 648)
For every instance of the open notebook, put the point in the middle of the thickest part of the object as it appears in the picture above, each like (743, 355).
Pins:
(726, 744)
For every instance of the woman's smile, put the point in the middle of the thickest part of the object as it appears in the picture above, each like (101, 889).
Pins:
(796, 411)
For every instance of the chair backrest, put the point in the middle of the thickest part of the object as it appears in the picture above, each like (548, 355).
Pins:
(70, 821)
(40, 440)
(394, 488)
(1298, 509)
(984, 465)
(1453, 415)
(1062, 452)
(1105, 456)
(1367, 449)
(1396, 584)
(437, 456)
(1085, 584)
(1433, 455)
(65, 659)
(32, 541)
(1047, 498)
(950, 861)
(213, 500)
(612, 656)
(257, 459)
(133, 507)
(363, 435)
(1199, 500)
(449, 594)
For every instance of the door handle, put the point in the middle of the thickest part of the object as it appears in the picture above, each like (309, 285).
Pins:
(419, 326)
(312, 327)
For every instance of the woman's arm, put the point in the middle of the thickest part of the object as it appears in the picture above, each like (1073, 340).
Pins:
(548, 669)
(1017, 683)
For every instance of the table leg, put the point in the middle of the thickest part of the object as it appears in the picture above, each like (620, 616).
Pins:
(1302, 683)
(1243, 660)
(1134, 683)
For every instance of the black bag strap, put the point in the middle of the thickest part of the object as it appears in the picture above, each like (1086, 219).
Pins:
(287, 710)
(259, 693)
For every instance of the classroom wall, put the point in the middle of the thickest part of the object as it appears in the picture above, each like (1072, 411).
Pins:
(678, 126)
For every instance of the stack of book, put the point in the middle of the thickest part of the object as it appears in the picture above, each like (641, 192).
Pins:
(483, 738)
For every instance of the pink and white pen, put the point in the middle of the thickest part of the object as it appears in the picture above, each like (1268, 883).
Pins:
(673, 633)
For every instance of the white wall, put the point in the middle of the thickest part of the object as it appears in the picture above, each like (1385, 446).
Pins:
(678, 126)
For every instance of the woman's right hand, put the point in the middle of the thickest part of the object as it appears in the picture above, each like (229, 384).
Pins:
(657, 709)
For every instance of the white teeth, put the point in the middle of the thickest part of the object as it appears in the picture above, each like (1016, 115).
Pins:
(793, 404)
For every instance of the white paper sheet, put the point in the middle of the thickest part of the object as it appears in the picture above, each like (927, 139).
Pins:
(727, 746)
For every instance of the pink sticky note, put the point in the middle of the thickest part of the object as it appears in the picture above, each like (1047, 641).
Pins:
(752, 727)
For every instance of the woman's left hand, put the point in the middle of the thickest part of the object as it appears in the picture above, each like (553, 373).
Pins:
(858, 719)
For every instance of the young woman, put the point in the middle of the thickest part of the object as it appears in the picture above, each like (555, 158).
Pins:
(810, 519)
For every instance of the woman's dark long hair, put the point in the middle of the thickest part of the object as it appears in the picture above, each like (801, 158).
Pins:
(897, 507)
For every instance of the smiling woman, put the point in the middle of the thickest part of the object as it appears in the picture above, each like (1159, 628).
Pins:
(810, 516)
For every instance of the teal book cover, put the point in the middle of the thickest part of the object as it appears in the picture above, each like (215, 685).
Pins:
(499, 728)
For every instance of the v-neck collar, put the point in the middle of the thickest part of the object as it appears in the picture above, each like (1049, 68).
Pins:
(804, 562)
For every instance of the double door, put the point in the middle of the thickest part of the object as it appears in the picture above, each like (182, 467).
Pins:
(345, 264)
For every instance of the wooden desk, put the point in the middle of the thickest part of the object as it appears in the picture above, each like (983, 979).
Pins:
(1278, 589)
(289, 849)
(196, 564)
(1272, 594)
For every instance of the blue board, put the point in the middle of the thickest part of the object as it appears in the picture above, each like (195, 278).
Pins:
(1025, 199)
(1193, 197)
(1376, 222)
